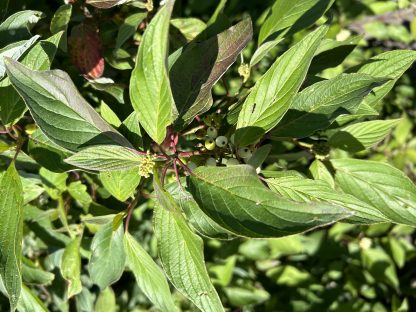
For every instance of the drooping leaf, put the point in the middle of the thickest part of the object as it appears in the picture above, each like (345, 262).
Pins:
(121, 184)
(106, 158)
(14, 51)
(108, 257)
(129, 27)
(17, 26)
(11, 233)
(307, 190)
(203, 224)
(201, 65)
(295, 15)
(380, 185)
(316, 107)
(235, 198)
(181, 253)
(273, 93)
(149, 276)
(59, 110)
(362, 135)
(71, 266)
(150, 91)
(390, 65)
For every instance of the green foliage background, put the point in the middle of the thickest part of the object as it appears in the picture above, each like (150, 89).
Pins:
(343, 267)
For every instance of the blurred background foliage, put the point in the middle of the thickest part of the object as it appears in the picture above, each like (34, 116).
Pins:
(339, 268)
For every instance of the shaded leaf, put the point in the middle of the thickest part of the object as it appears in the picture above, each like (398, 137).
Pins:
(11, 233)
(107, 255)
(121, 184)
(149, 276)
(71, 266)
(17, 26)
(235, 198)
(201, 65)
(59, 110)
(129, 27)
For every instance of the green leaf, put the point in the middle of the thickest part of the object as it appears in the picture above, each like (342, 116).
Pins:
(201, 65)
(129, 27)
(317, 107)
(306, 190)
(263, 49)
(60, 21)
(203, 224)
(17, 26)
(273, 93)
(121, 184)
(259, 156)
(30, 302)
(391, 65)
(11, 233)
(182, 253)
(33, 274)
(71, 266)
(150, 91)
(380, 185)
(47, 153)
(235, 198)
(106, 4)
(106, 301)
(108, 257)
(149, 276)
(59, 110)
(14, 51)
(130, 128)
(106, 158)
(295, 15)
(4, 5)
(12, 106)
(319, 171)
(362, 135)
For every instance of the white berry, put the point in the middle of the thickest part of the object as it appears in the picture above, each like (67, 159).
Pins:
(232, 162)
(221, 141)
(244, 152)
(212, 132)
(211, 162)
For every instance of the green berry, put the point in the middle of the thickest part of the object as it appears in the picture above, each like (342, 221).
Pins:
(210, 144)
(200, 134)
(212, 132)
(244, 152)
(221, 141)
(211, 162)
(232, 162)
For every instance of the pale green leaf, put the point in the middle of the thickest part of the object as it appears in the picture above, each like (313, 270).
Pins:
(380, 185)
(307, 190)
(319, 171)
(106, 301)
(362, 135)
(11, 233)
(201, 65)
(71, 266)
(59, 109)
(391, 65)
(149, 276)
(235, 198)
(273, 93)
(60, 21)
(121, 184)
(182, 254)
(29, 302)
(263, 50)
(317, 107)
(17, 26)
(294, 14)
(106, 158)
(129, 27)
(108, 257)
(150, 91)
(14, 51)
